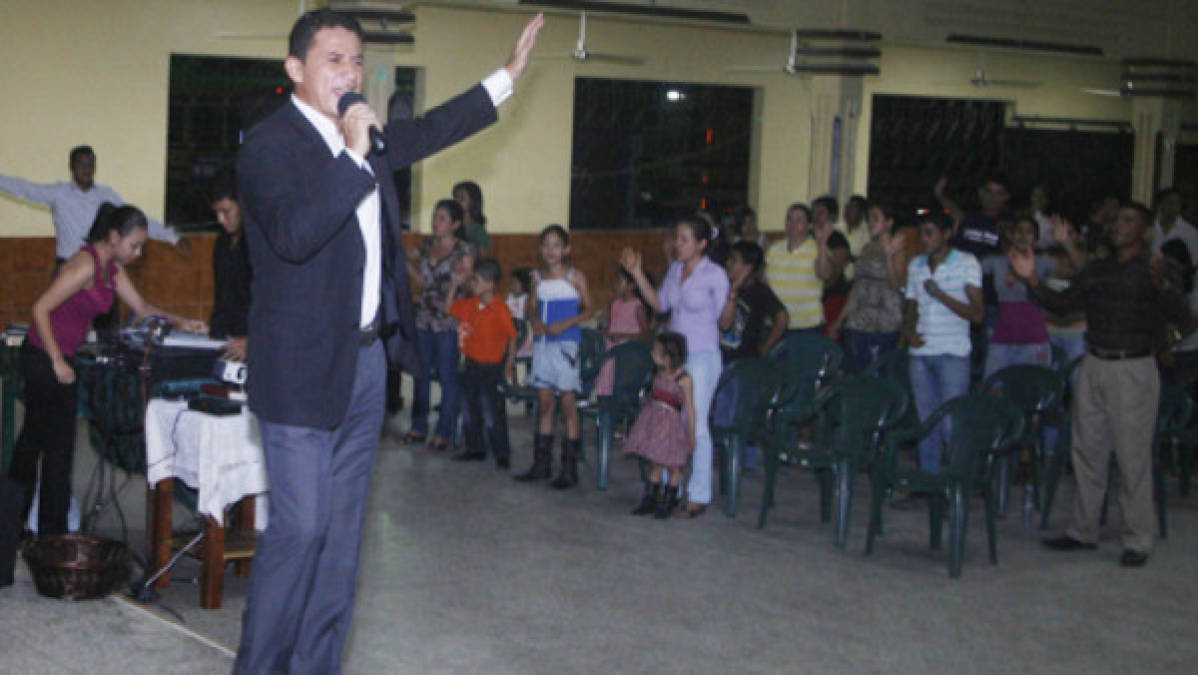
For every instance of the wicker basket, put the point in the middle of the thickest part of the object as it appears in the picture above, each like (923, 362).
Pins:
(77, 567)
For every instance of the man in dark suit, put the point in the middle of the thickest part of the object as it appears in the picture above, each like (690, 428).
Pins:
(330, 287)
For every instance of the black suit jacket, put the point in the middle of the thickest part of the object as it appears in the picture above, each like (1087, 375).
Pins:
(308, 256)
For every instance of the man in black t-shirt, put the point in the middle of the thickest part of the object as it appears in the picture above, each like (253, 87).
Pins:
(750, 307)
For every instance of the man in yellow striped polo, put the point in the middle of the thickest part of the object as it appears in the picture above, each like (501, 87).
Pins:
(797, 267)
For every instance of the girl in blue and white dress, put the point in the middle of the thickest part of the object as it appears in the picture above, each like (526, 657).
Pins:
(558, 304)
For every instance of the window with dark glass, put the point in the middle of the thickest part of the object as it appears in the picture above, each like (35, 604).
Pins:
(645, 152)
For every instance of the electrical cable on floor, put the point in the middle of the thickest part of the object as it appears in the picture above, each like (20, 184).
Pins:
(199, 637)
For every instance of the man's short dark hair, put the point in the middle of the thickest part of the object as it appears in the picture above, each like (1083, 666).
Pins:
(1165, 194)
(799, 206)
(996, 177)
(81, 151)
(937, 218)
(489, 269)
(830, 205)
(222, 186)
(1144, 213)
(750, 253)
(837, 240)
(303, 33)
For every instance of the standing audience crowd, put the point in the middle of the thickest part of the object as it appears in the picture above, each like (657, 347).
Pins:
(965, 292)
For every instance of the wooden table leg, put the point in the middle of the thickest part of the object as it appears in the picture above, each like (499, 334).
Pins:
(160, 540)
(245, 523)
(212, 574)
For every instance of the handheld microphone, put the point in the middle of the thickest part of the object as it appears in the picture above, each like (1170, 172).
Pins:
(378, 144)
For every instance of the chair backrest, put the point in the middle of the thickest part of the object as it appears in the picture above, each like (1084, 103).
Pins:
(861, 408)
(756, 380)
(633, 372)
(590, 357)
(981, 424)
(808, 362)
(1035, 389)
(1175, 409)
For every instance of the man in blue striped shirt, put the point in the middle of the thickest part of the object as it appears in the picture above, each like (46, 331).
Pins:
(944, 296)
(73, 204)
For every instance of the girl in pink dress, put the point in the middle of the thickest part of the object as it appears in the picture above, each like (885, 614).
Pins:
(664, 431)
(626, 320)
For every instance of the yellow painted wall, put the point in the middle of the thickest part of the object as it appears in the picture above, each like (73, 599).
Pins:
(84, 71)
(96, 72)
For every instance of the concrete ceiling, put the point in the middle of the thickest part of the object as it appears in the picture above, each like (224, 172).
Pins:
(1159, 28)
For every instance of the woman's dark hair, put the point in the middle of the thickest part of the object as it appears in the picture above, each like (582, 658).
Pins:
(476, 200)
(558, 230)
(1175, 250)
(740, 215)
(886, 209)
(111, 217)
(524, 276)
(303, 32)
(699, 227)
(674, 345)
(456, 214)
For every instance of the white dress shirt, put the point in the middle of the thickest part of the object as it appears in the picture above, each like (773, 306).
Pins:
(499, 86)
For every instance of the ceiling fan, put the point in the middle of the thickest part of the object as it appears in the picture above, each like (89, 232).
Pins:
(820, 65)
(380, 25)
(980, 79)
(582, 54)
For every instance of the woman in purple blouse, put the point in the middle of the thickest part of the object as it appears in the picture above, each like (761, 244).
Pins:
(693, 292)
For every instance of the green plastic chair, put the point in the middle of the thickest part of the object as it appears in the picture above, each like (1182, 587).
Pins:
(983, 429)
(808, 362)
(633, 373)
(1058, 455)
(757, 381)
(590, 350)
(854, 412)
(1037, 391)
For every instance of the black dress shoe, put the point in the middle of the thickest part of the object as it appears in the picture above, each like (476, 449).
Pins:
(1133, 558)
(1067, 543)
(469, 457)
(503, 463)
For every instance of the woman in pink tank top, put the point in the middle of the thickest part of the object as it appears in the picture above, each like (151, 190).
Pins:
(85, 286)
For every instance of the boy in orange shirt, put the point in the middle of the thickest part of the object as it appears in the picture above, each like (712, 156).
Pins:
(488, 340)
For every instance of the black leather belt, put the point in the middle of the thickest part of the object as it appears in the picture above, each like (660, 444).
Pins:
(369, 334)
(1117, 354)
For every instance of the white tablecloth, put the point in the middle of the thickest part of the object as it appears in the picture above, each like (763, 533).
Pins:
(221, 456)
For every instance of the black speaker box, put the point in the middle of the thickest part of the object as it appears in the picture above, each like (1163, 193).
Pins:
(12, 504)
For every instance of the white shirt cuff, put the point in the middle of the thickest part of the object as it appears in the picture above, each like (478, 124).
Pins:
(499, 86)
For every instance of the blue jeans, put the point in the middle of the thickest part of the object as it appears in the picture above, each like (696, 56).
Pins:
(999, 356)
(864, 348)
(935, 379)
(438, 349)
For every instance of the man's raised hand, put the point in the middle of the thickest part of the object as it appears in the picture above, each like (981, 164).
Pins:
(518, 61)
